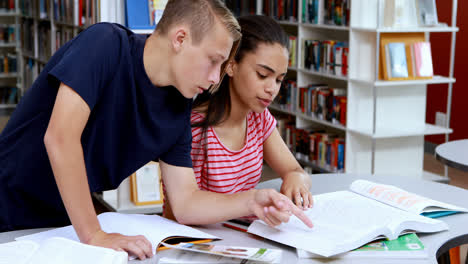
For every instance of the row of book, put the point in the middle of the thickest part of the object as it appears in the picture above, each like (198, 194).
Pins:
(315, 100)
(27, 36)
(62, 36)
(325, 56)
(32, 69)
(64, 11)
(286, 98)
(8, 63)
(8, 95)
(285, 10)
(44, 41)
(323, 102)
(328, 12)
(407, 61)
(7, 6)
(75, 12)
(44, 45)
(318, 147)
(7, 33)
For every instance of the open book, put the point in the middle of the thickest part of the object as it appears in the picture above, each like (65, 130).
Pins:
(346, 220)
(155, 228)
(58, 250)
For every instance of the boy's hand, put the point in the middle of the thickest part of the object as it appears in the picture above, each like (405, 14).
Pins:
(274, 208)
(296, 187)
(137, 246)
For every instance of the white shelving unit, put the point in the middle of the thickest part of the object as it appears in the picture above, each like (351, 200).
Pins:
(11, 79)
(385, 119)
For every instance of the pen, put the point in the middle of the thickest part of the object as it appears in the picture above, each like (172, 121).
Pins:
(193, 242)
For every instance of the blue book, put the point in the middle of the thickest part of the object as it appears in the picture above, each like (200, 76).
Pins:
(396, 60)
(138, 15)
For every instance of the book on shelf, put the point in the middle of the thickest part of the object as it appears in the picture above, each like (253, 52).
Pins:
(413, 13)
(346, 220)
(8, 95)
(144, 14)
(325, 56)
(155, 228)
(407, 246)
(422, 59)
(7, 6)
(58, 250)
(242, 7)
(313, 146)
(405, 56)
(285, 10)
(400, 14)
(292, 51)
(427, 13)
(395, 54)
(328, 12)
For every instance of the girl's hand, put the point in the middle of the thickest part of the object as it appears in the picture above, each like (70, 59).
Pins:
(296, 187)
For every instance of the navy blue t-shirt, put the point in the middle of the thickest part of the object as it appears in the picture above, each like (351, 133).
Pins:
(131, 123)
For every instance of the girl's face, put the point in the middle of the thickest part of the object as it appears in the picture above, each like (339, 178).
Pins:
(256, 79)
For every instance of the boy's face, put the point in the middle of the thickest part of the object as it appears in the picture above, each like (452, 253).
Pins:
(197, 67)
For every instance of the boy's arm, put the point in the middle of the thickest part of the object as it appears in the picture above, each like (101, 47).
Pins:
(193, 206)
(296, 183)
(63, 144)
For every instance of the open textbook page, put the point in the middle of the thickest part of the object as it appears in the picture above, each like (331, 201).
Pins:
(401, 199)
(155, 228)
(58, 250)
(344, 221)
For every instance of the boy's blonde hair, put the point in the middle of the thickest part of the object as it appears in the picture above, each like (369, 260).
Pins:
(200, 15)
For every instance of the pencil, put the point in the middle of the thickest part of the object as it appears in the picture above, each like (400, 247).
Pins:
(235, 227)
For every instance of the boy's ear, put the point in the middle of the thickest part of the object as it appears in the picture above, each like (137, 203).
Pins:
(179, 37)
(230, 68)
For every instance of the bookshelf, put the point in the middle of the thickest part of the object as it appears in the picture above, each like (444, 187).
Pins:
(46, 26)
(10, 55)
(385, 120)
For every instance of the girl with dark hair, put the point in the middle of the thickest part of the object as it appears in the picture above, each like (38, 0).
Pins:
(232, 129)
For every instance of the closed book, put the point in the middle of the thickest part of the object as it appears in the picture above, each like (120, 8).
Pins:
(422, 59)
(396, 60)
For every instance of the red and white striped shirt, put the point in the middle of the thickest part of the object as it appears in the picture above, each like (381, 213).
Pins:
(225, 170)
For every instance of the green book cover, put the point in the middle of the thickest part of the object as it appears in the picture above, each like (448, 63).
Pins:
(409, 242)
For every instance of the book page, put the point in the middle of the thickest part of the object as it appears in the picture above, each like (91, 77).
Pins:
(17, 252)
(155, 228)
(344, 221)
(401, 199)
(59, 250)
